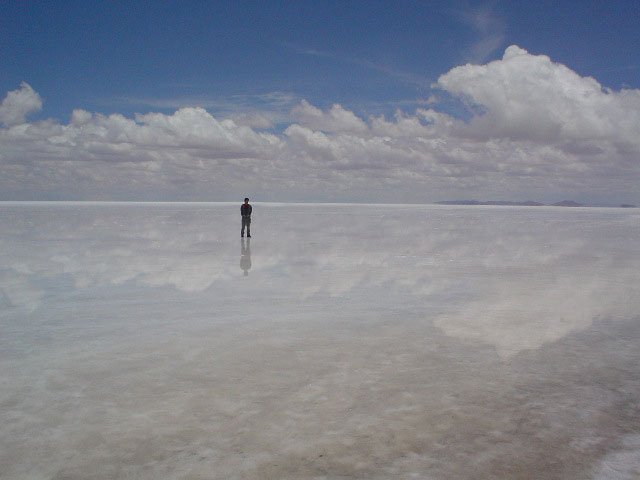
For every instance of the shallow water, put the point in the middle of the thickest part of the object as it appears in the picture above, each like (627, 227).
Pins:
(341, 341)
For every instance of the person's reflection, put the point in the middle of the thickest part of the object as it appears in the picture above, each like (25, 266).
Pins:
(245, 256)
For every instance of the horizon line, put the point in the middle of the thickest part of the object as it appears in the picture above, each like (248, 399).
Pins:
(442, 203)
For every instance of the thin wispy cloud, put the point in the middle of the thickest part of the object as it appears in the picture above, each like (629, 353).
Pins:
(310, 51)
(271, 99)
(490, 29)
(387, 70)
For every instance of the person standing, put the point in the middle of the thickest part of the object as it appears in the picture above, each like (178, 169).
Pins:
(245, 211)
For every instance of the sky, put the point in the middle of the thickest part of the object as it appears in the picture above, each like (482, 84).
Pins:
(352, 101)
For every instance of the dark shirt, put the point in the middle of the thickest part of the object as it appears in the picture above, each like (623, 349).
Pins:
(245, 210)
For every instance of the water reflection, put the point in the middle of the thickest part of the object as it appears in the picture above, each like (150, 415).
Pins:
(513, 278)
(371, 342)
(245, 256)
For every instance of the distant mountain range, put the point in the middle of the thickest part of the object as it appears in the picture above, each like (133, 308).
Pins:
(527, 203)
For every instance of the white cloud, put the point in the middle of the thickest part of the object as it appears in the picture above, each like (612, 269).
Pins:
(336, 119)
(529, 97)
(18, 104)
(538, 130)
(152, 136)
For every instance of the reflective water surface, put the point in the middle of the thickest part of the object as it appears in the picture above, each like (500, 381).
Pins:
(341, 341)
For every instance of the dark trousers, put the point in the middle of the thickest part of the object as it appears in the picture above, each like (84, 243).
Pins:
(246, 222)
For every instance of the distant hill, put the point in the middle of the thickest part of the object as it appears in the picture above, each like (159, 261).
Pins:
(528, 203)
(459, 202)
(567, 203)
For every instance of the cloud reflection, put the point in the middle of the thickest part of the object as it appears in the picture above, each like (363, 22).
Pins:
(513, 278)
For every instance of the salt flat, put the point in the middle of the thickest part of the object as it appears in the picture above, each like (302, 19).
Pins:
(342, 341)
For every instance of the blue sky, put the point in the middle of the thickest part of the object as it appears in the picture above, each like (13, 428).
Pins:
(367, 55)
(258, 63)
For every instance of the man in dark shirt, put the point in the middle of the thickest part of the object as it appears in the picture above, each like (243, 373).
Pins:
(245, 211)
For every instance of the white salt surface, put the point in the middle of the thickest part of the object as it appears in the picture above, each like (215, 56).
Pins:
(342, 341)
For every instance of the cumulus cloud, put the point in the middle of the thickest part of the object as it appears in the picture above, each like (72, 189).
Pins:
(529, 97)
(18, 104)
(537, 130)
(152, 136)
(254, 120)
(188, 154)
(336, 119)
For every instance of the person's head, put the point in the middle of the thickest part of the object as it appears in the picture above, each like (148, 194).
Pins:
(246, 200)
